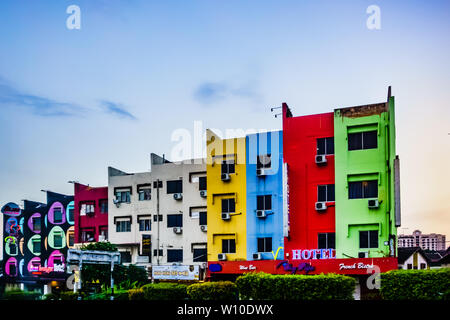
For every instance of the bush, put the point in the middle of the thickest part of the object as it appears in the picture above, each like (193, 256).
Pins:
(164, 291)
(50, 296)
(262, 286)
(221, 290)
(21, 295)
(68, 295)
(106, 295)
(416, 284)
(136, 294)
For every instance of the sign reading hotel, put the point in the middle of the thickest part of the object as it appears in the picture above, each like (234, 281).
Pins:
(314, 254)
(175, 272)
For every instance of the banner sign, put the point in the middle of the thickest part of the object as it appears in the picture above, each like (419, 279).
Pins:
(146, 245)
(173, 272)
(92, 256)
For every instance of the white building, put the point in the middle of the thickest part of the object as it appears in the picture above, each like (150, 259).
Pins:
(180, 230)
(412, 258)
(432, 241)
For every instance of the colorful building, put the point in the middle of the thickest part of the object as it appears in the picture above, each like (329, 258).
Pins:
(91, 213)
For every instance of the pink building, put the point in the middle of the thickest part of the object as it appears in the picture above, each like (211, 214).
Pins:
(91, 213)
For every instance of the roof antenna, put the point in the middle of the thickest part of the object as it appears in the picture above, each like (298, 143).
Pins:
(278, 114)
(389, 93)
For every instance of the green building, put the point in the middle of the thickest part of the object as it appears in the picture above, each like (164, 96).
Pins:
(367, 181)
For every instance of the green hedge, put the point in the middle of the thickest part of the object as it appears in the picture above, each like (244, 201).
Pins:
(221, 290)
(263, 286)
(136, 294)
(164, 291)
(416, 284)
(21, 295)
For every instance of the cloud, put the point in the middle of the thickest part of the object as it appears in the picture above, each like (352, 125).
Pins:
(214, 92)
(38, 105)
(117, 109)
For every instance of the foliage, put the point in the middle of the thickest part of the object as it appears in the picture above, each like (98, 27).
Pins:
(220, 290)
(136, 294)
(106, 295)
(101, 246)
(165, 291)
(21, 295)
(416, 284)
(69, 295)
(262, 286)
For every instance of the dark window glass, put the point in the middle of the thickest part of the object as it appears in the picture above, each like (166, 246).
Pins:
(228, 246)
(123, 196)
(57, 240)
(145, 225)
(145, 194)
(265, 244)
(264, 202)
(228, 205)
(155, 218)
(326, 240)
(364, 239)
(325, 193)
(370, 189)
(331, 241)
(355, 190)
(373, 239)
(57, 215)
(174, 220)
(125, 257)
(354, 141)
(36, 246)
(362, 140)
(71, 210)
(370, 139)
(155, 252)
(200, 255)
(71, 239)
(264, 161)
(103, 206)
(325, 146)
(228, 166)
(123, 226)
(330, 192)
(12, 249)
(12, 269)
(174, 186)
(322, 241)
(363, 189)
(202, 183)
(174, 255)
(203, 218)
(36, 223)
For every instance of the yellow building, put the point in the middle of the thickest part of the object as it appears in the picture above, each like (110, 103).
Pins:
(226, 198)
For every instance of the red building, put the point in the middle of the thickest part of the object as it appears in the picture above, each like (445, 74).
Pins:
(308, 150)
(91, 213)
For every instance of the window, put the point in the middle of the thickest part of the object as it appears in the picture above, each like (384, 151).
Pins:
(228, 205)
(70, 210)
(36, 222)
(203, 218)
(12, 249)
(57, 215)
(174, 255)
(12, 269)
(87, 208)
(228, 246)
(103, 232)
(145, 224)
(156, 216)
(264, 244)
(264, 161)
(174, 186)
(325, 193)
(174, 220)
(125, 256)
(264, 202)
(423, 266)
(71, 239)
(87, 235)
(327, 240)
(363, 189)
(325, 146)
(57, 240)
(228, 166)
(123, 194)
(145, 192)
(368, 239)
(202, 183)
(155, 252)
(36, 244)
(103, 206)
(362, 140)
(200, 255)
(123, 226)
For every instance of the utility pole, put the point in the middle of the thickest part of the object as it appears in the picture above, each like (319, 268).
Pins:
(157, 219)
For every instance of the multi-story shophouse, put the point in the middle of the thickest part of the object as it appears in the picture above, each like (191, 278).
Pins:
(91, 213)
(341, 203)
(159, 217)
(36, 240)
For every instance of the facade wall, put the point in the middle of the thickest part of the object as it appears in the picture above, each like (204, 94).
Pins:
(267, 185)
(300, 136)
(353, 215)
(235, 228)
(415, 261)
(191, 237)
(432, 241)
(96, 221)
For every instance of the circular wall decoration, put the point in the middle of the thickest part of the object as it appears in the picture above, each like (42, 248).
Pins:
(34, 222)
(56, 213)
(56, 238)
(11, 209)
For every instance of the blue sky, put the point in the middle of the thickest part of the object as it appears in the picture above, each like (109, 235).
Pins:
(76, 101)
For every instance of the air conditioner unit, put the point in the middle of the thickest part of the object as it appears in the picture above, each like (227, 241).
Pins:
(177, 230)
(101, 238)
(257, 256)
(225, 177)
(321, 159)
(203, 193)
(363, 254)
(204, 228)
(373, 203)
(225, 216)
(261, 172)
(261, 214)
(116, 202)
(222, 256)
(321, 206)
(178, 196)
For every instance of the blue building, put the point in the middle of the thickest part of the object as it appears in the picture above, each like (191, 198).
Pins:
(264, 154)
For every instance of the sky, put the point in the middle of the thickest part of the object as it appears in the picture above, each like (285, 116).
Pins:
(75, 101)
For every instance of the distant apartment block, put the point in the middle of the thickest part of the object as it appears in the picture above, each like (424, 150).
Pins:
(432, 241)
